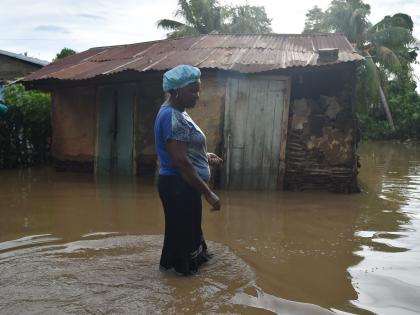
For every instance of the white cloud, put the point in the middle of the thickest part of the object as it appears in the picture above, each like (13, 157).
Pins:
(84, 24)
(51, 28)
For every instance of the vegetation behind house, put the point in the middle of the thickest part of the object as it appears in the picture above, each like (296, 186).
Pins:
(388, 104)
(25, 129)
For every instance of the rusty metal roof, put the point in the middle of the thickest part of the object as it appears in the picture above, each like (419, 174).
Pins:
(242, 53)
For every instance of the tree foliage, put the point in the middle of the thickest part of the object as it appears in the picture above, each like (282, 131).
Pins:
(404, 102)
(388, 47)
(315, 21)
(389, 43)
(349, 17)
(65, 52)
(246, 19)
(208, 16)
(25, 130)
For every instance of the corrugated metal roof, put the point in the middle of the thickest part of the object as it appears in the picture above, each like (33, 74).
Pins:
(24, 58)
(242, 53)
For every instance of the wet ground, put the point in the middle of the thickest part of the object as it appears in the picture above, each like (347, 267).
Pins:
(73, 244)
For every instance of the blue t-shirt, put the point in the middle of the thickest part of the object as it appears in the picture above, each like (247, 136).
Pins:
(173, 124)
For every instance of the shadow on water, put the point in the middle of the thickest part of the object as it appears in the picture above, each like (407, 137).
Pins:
(73, 244)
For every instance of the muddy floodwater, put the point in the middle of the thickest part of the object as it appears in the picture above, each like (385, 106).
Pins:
(73, 244)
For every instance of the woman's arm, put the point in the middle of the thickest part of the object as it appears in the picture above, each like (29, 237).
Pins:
(178, 154)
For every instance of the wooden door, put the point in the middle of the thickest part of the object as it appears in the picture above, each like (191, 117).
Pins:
(254, 124)
(115, 131)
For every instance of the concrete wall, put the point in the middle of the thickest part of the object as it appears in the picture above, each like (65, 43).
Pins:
(149, 98)
(12, 68)
(210, 110)
(74, 124)
(208, 114)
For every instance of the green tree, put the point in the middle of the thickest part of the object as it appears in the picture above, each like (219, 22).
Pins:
(208, 16)
(392, 43)
(390, 51)
(315, 21)
(198, 16)
(404, 102)
(349, 17)
(25, 130)
(247, 19)
(65, 52)
(387, 46)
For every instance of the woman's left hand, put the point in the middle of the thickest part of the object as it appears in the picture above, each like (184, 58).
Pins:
(214, 160)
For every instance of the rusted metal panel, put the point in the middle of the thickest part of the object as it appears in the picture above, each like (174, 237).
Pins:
(243, 53)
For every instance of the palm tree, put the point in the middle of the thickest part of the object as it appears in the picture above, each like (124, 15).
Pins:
(387, 46)
(389, 50)
(199, 17)
(246, 19)
(315, 21)
(208, 16)
(349, 17)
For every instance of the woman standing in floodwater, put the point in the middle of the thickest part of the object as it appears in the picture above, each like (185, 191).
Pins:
(184, 172)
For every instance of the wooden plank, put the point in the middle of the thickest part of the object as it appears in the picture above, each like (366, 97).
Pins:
(231, 92)
(124, 125)
(226, 135)
(270, 124)
(261, 130)
(248, 132)
(238, 117)
(283, 140)
(248, 169)
(136, 104)
(278, 95)
(105, 130)
(97, 106)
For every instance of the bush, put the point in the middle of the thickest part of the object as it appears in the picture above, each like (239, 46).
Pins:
(25, 130)
(404, 103)
(372, 128)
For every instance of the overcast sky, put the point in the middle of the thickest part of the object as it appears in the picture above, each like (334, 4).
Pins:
(43, 27)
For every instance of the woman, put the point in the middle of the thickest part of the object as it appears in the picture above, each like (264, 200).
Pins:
(184, 172)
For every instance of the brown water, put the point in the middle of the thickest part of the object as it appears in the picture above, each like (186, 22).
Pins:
(70, 244)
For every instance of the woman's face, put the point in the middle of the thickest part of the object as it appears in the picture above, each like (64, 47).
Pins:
(188, 95)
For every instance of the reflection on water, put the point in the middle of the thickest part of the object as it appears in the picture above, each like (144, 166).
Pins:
(387, 279)
(72, 244)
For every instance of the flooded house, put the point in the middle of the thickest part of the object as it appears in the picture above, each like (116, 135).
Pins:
(278, 108)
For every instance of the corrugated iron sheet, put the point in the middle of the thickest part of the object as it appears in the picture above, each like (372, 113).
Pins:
(242, 53)
(32, 60)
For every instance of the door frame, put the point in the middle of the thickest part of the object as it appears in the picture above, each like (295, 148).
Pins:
(284, 126)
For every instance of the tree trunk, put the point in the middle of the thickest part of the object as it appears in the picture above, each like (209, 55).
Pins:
(386, 108)
(383, 98)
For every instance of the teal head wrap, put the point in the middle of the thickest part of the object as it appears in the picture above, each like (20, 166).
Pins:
(180, 76)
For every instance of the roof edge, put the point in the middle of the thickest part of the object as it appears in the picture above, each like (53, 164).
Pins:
(24, 58)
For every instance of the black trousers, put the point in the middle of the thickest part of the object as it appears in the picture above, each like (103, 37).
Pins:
(184, 248)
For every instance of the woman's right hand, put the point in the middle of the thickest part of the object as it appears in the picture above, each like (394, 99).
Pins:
(213, 200)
